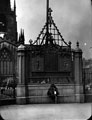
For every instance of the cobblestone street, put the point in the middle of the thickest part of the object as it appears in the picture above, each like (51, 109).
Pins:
(46, 112)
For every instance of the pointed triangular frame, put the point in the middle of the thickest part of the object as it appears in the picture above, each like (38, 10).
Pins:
(53, 31)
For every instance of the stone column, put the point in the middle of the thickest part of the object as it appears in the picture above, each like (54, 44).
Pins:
(78, 74)
(21, 87)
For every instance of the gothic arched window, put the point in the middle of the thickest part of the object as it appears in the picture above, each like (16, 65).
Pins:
(6, 62)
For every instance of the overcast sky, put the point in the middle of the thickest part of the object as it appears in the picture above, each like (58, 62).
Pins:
(72, 17)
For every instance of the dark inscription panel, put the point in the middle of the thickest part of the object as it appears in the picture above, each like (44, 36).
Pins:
(64, 63)
(51, 62)
(37, 64)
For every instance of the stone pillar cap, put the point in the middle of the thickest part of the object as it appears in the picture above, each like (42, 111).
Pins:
(78, 49)
(21, 47)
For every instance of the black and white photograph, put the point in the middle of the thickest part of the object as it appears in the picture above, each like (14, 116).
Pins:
(45, 59)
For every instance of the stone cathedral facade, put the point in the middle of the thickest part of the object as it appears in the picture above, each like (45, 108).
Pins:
(8, 40)
(48, 60)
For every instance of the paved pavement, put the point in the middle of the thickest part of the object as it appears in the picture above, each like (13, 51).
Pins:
(46, 112)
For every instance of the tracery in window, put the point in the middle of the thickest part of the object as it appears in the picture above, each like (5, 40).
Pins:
(6, 62)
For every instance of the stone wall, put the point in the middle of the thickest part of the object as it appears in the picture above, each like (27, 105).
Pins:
(67, 93)
(37, 93)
